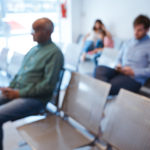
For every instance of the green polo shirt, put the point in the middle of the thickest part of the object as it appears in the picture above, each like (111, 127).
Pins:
(39, 72)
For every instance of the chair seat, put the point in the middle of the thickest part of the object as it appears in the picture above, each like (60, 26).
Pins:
(52, 133)
(88, 148)
(96, 147)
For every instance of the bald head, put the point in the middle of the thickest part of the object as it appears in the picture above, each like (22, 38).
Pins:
(44, 23)
(42, 30)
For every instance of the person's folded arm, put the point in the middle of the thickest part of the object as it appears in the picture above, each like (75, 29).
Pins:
(50, 76)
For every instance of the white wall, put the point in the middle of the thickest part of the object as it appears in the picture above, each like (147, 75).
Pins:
(117, 15)
(76, 8)
(71, 26)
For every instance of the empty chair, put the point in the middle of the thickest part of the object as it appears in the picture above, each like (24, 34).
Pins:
(72, 56)
(118, 43)
(128, 122)
(3, 59)
(89, 148)
(108, 57)
(15, 63)
(84, 101)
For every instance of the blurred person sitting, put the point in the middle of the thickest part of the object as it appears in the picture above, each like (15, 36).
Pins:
(92, 40)
(32, 87)
(107, 42)
(106, 39)
(133, 67)
(98, 51)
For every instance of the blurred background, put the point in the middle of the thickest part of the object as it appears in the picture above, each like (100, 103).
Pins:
(72, 19)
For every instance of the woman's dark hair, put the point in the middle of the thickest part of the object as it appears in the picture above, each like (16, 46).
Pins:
(97, 21)
(142, 19)
(102, 32)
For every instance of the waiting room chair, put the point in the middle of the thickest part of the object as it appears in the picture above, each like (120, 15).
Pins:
(127, 124)
(109, 57)
(89, 148)
(72, 56)
(56, 94)
(118, 43)
(15, 64)
(3, 59)
(84, 101)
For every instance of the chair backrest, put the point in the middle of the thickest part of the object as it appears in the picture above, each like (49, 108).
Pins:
(85, 99)
(117, 43)
(147, 84)
(128, 122)
(3, 59)
(72, 56)
(55, 97)
(109, 57)
(15, 63)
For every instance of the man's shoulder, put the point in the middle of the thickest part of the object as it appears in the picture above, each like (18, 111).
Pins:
(55, 50)
(53, 47)
(147, 42)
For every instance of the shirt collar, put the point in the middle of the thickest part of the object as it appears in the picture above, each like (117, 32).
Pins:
(146, 37)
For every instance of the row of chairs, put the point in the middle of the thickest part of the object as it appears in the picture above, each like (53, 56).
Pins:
(71, 52)
(10, 67)
(124, 127)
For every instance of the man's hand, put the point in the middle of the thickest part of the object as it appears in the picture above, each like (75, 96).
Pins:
(119, 67)
(10, 93)
(125, 70)
(128, 71)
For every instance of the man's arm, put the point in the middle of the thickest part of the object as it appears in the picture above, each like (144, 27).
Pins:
(50, 75)
(9, 93)
(142, 72)
(138, 72)
(13, 82)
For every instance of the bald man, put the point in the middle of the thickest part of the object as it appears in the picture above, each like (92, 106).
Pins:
(32, 87)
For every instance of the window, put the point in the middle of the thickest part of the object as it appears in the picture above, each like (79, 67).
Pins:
(16, 18)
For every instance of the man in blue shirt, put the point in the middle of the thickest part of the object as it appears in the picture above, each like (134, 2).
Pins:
(133, 67)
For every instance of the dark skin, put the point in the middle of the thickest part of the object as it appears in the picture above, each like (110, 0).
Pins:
(41, 35)
(10, 93)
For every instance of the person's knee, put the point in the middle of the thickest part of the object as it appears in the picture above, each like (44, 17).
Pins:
(114, 90)
(96, 71)
(99, 70)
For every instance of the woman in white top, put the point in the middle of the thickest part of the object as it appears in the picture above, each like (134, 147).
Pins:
(90, 40)
(94, 41)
